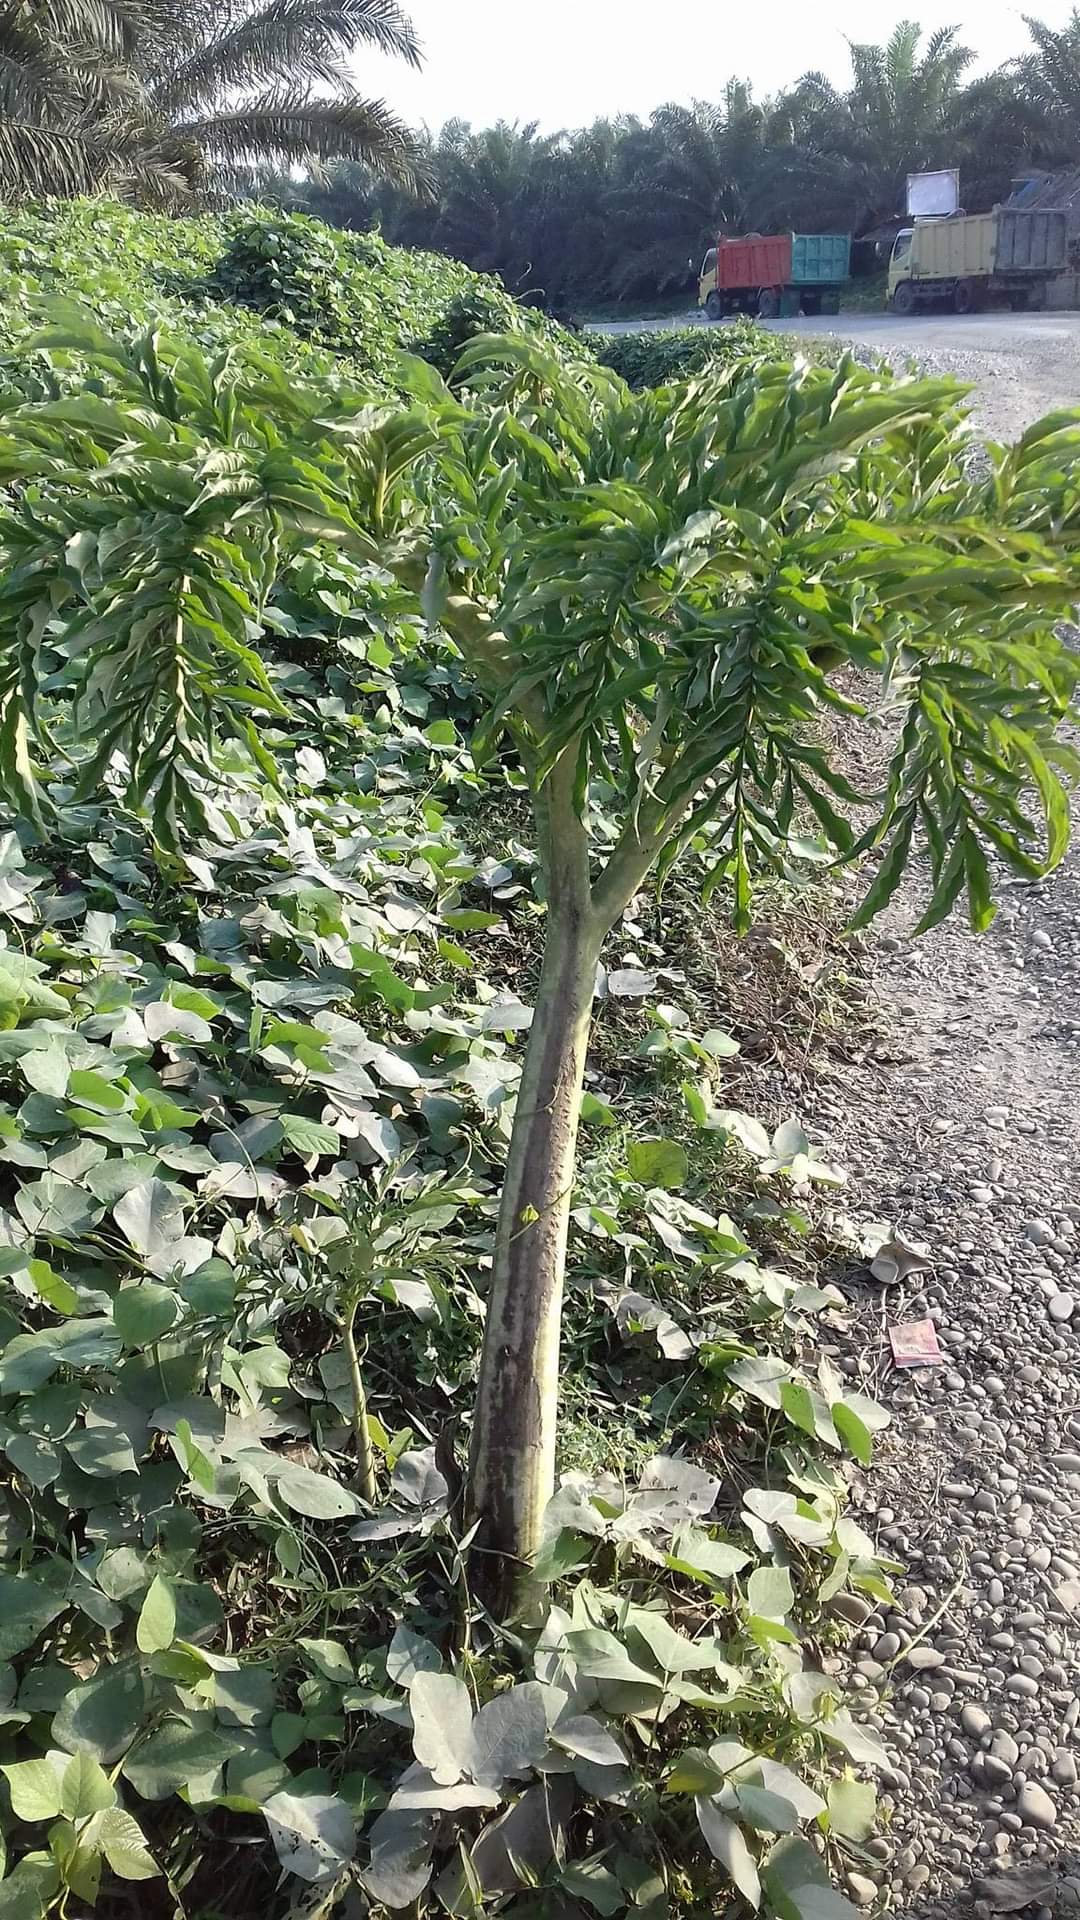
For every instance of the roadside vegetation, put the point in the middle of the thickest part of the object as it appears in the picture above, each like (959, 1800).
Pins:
(656, 358)
(423, 1475)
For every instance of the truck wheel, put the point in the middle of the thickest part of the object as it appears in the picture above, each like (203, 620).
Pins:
(903, 300)
(1019, 301)
(714, 306)
(768, 305)
(967, 297)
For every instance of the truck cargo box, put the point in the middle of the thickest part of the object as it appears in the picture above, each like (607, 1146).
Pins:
(958, 249)
(1031, 240)
(819, 259)
(762, 260)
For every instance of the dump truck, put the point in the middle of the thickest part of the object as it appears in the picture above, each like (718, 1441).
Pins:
(974, 260)
(774, 273)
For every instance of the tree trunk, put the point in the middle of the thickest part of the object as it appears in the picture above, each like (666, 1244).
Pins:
(512, 1464)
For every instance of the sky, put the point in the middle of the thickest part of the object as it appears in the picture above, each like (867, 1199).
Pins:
(566, 62)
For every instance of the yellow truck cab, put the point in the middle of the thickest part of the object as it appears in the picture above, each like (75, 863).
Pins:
(978, 259)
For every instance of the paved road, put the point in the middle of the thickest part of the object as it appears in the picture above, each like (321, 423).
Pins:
(1022, 365)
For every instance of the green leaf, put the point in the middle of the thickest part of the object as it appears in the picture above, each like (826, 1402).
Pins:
(672, 1651)
(120, 1838)
(745, 1129)
(769, 1593)
(210, 1290)
(808, 1804)
(852, 1431)
(314, 1834)
(764, 1810)
(600, 1656)
(852, 1808)
(84, 1788)
(889, 873)
(143, 1313)
(697, 1105)
(798, 1886)
(55, 1208)
(47, 1069)
(592, 1881)
(694, 1772)
(151, 1216)
(316, 1495)
(861, 1744)
(102, 1716)
(835, 1581)
(94, 1091)
(408, 1654)
(789, 1140)
(657, 1163)
(27, 1892)
(54, 1290)
(26, 1609)
(309, 1137)
(329, 1658)
(698, 1554)
(157, 1619)
(797, 1403)
(34, 1786)
(174, 1755)
(589, 1739)
(727, 1843)
(442, 1725)
(719, 1045)
(509, 1735)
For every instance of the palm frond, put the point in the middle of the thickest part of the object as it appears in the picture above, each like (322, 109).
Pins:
(286, 129)
(39, 162)
(302, 42)
(113, 26)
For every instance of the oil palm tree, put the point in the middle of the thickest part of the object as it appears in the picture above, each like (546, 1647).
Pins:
(697, 173)
(65, 78)
(1050, 80)
(162, 98)
(896, 118)
(495, 189)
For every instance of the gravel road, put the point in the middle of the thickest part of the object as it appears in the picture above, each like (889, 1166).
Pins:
(1021, 365)
(964, 1128)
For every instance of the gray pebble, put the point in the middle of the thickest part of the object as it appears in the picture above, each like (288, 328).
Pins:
(862, 1889)
(1035, 1807)
(1023, 1685)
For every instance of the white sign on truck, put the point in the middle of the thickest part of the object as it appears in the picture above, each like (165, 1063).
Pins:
(933, 193)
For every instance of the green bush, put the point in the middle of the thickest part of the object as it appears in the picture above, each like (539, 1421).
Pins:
(286, 284)
(481, 310)
(358, 296)
(677, 353)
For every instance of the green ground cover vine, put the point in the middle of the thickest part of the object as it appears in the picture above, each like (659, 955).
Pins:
(271, 924)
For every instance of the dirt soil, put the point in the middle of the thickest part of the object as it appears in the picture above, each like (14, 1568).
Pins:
(963, 1127)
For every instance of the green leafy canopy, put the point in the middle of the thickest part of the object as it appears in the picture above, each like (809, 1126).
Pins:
(653, 590)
